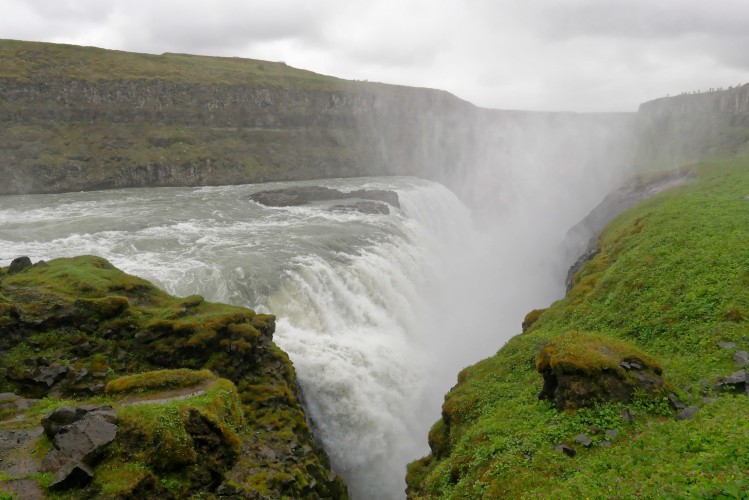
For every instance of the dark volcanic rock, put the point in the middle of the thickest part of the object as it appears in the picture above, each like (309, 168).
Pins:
(736, 381)
(65, 415)
(215, 455)
(612, 434)
(53, 422)
(235, 343)
(19, 264)
(71, 475)
(365, 207)
(569, 280)
(41, 376)
(77, 444)
(675, 403)
(687, 413)
(296, 196)
(567, 450)
(741, 358)
(580, 241)
(584, 440)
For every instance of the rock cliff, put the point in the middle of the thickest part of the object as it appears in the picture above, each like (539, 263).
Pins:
(76, 118)
(83, 118)
(688, 127)
(204, 402)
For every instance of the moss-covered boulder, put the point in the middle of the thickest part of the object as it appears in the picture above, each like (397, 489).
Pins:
(80, 329)
(531, 318)
(582, 369)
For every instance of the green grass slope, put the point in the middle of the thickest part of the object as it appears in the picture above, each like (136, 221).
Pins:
(26, 60)
(672, 279)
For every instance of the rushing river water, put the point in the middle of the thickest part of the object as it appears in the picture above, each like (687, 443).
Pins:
(377, 312)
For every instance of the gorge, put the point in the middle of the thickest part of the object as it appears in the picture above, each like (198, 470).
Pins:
(146, 162)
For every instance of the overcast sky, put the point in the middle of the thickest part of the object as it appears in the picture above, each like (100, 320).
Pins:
(578, 55)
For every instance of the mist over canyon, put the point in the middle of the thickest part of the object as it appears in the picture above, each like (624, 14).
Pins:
(378, 311)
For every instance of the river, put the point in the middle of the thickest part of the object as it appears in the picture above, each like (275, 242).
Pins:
(378, 312)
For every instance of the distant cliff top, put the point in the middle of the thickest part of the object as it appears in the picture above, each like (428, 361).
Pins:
(731, 100)
(31, 60)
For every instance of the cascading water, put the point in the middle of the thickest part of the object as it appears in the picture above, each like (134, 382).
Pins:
(364, 301)
(377, 312)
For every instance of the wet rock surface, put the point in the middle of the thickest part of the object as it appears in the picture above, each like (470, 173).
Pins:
(296, 196)
(79, 436)
(364, 207)
(19, 264)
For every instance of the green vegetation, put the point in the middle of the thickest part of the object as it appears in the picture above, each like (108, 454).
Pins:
(24, 60)
(157, 438)
(102, 119)
(160, 380)
(168, 441)
(108, 155)
(82, 118)
(670, 282)
(590, 353)
(193, 384)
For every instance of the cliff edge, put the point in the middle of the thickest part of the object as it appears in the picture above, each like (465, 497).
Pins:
(635, 383)
(114, 388)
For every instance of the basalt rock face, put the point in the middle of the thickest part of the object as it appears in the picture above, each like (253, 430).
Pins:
(82, 118)
(76, 118)
(77, 328)
(301, 196)
(685, 128)
(79, 436)
(580, 241)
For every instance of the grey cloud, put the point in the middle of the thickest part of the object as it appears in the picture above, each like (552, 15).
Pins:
(219, 28)
(642, 18)
(537, 54)
(201, 26)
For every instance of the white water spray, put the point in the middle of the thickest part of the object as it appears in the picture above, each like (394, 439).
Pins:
(378, 312)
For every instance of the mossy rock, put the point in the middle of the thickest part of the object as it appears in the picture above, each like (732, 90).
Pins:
(81, 328)
(161, 380)
(581, 369)
(531, 318)
(193, 437)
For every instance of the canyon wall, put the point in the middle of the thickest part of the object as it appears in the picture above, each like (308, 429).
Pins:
(76, 118)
